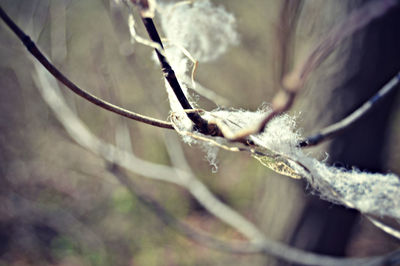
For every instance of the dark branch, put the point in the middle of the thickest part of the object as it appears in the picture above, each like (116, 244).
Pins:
(350, 120)
(170, 76)
(34, 50)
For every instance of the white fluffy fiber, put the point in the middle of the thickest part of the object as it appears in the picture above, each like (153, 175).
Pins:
(206, 31)
(203, 29)
(377, 194)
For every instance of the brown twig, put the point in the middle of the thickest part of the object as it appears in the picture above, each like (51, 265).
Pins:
(295, 80)
(35, 51)
(259, 244)
(300, 74)
(350, 120)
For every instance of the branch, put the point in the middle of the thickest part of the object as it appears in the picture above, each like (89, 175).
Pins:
(295, 80)
(80, 134)
(266, 246)
(169, 74)
(350, 120)
(34, 50)
(259, 244)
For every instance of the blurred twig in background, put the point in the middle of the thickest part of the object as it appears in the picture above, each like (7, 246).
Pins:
(258, 242)
(295, 80)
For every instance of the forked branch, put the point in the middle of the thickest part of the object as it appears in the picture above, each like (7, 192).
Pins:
(258, 243)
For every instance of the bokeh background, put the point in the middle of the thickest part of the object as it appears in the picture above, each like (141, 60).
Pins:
(59, 205)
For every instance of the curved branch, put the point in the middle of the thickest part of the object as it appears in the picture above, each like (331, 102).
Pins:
(296, 79)
(34, 50)
(258, 244)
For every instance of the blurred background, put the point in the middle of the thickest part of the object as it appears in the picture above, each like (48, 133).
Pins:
(59, 205)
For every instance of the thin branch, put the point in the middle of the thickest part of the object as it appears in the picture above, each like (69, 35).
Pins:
(384, 227)
(34, 50)
(80, 134)
(266, 247)
(260, 244)
(197, 87)
(169, 74)
(295, 80)
(350, 120)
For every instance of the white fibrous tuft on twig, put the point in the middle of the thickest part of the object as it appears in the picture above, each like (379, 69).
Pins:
(199, 30)
(206, 31)
(370, 193)
(203, 29)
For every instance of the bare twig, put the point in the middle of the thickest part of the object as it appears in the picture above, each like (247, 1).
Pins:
(78, 131)
(295, 80)
(266, 247)
(209, 94)
(384, 227)
(34, 50)
(169, 74)
(259, 243)
(262, 245)
(350, 120)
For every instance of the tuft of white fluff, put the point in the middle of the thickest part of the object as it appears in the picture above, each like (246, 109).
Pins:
(370, 193)
(204, 30)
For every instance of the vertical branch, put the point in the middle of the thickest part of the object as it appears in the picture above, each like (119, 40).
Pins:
(165, 66)
(147, 14)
